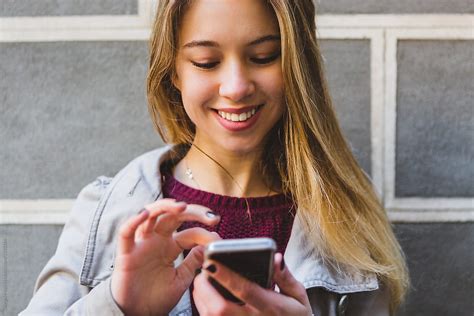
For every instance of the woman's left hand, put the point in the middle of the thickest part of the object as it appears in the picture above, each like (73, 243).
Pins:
(292, 299)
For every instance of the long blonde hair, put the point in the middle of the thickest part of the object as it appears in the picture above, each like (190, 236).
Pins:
(311, 160)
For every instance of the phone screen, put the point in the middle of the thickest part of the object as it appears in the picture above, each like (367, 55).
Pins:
(253, 265)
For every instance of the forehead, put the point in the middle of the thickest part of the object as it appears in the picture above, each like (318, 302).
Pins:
(233, 21)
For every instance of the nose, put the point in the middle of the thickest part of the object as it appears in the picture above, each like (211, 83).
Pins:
(236, 83)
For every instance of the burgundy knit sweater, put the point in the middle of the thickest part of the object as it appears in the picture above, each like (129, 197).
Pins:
(271, 216)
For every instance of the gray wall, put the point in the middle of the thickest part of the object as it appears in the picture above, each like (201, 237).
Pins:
(435, 121)
(75, 109)
(70, 109)
(67, 7)
(394, 7)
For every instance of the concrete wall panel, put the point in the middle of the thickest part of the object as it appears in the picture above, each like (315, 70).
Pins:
(393, 7)
(435, 121)
(348, 71)
(22, 258)
(440, 258)
(67, 7)
(70, 111)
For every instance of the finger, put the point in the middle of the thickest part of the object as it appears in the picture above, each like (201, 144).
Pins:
(242, 288)
(194, 237)
(168, 223)
(161, 204)
(191, 237)
(203, 292)
(209, 302)
(160, 207)
(196, 212)
(287, 284)
(193, 261)
(127, 232)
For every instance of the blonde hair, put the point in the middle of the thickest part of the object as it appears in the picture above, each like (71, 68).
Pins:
(310, 159)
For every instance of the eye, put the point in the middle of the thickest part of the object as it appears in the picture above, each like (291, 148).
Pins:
(260, 61)
(266, 60)
(205, 65)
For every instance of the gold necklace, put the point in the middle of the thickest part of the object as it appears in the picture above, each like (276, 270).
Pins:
(190, 175)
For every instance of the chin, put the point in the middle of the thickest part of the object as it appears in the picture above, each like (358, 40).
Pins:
(241, 148)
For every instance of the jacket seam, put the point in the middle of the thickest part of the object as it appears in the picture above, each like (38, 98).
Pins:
(340, 288)
(91, 242)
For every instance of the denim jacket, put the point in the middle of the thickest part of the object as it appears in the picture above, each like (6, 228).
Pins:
(76, 280)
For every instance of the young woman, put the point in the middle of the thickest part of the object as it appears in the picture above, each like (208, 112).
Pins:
(237, 87)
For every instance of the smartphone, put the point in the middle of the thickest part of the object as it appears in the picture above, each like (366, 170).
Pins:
(250, 257)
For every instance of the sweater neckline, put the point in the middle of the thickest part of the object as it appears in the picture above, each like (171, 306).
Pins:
(193, 195)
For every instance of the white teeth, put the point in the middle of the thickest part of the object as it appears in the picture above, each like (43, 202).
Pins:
(234, 117)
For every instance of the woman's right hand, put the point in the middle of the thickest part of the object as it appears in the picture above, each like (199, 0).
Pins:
(144, 280)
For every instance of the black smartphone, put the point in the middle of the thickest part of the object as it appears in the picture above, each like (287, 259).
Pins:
(250, 257)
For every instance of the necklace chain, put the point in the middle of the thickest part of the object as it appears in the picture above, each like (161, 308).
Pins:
(190, 175)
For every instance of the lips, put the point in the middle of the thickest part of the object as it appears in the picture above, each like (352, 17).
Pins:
(239, 116)
(230, 119)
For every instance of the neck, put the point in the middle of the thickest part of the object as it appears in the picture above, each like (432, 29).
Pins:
(243, 177)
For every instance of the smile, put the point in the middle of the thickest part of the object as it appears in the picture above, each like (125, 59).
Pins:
(242, 117)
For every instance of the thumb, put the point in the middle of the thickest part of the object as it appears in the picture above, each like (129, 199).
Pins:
(287, 283)
(191, 263)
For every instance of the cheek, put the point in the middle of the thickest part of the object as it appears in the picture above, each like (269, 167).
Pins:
(274, 87)
(196, 91)
(278, 84)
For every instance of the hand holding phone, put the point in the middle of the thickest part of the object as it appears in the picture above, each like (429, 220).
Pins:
(291, 300)
(250, 257)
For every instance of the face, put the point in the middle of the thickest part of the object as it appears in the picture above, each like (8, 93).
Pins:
(228, 70)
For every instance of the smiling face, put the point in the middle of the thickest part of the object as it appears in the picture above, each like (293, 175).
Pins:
(228, 70)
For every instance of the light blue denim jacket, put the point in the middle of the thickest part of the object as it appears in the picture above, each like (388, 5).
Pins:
(76, 280)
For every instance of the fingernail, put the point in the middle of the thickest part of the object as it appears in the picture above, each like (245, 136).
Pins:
(197, 271)
(181, 203)
(211, 214)
(212, 268)
(142, 210)
(282, 264)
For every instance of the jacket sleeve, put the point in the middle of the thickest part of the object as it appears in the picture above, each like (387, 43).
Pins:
(376, 303)
(57, 289)
(370, 303)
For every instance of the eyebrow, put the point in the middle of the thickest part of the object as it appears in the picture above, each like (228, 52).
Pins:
(205, 43)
